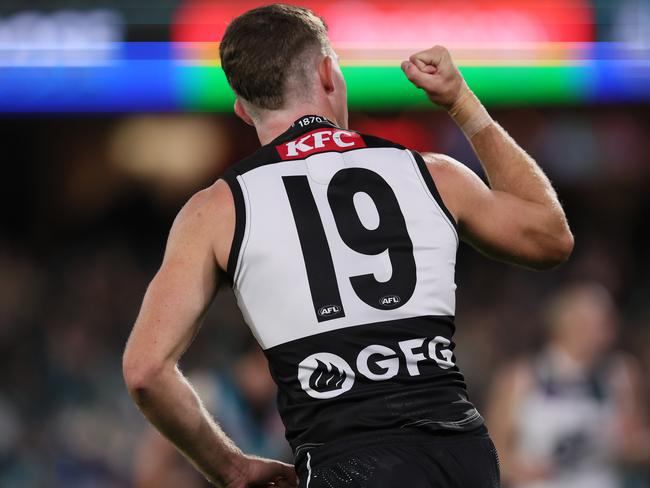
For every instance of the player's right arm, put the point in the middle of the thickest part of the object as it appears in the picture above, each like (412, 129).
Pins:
(518, 217)
(169, 319)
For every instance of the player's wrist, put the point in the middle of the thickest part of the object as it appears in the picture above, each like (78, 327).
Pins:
(235, 467)
(469, 113)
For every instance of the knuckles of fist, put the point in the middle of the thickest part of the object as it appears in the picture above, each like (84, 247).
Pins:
(434, 72)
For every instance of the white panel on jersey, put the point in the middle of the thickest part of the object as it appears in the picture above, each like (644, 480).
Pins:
(271, 281)
(367, 210)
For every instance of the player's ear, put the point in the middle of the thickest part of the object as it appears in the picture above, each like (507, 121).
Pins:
(241, 112)
(326, 74)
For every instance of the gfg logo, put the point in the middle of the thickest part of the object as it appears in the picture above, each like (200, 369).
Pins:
(326, 375)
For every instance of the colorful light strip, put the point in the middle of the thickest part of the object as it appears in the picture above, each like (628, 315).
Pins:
(524, 53)
(155, 77)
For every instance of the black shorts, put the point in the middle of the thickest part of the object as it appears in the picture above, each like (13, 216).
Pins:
(419, 460)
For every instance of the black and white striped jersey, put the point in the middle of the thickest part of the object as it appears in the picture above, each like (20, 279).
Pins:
(343, 266)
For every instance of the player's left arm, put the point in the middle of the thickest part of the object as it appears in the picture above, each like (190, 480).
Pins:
(169, 319)
(517, 217)
(632, 434)
(500, 223)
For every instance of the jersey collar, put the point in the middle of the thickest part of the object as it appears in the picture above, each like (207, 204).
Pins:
(309, 120)
(301, 125)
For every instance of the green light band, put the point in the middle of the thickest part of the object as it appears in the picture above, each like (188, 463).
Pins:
(386, 88)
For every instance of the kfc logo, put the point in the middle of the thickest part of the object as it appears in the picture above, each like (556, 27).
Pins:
(321, 140)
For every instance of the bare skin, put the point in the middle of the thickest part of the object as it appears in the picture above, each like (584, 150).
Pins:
(159, 465)
(518, 218)
(527, 227)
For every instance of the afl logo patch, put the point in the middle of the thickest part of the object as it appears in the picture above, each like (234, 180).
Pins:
(329, 311)
(390, 301)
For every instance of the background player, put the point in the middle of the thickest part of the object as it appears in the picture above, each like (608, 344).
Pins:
(517, 219)
(570, 415)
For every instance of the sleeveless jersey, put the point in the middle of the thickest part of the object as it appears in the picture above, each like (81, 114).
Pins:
(568, 424)
(343, 266)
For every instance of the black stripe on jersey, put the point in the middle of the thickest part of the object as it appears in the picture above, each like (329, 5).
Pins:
(370, 378)
(240, 222)
(263, 156)
(268, 154)
(374, 141)
(315, 249)
(432, 187)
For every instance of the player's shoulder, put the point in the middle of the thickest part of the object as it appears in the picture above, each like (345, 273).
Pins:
(214, 199)
(208, 218)
(456, 183)
(443, 166)
(207, 211)
(438, 159)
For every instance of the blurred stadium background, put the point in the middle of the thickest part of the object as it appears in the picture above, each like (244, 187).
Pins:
(114, 113)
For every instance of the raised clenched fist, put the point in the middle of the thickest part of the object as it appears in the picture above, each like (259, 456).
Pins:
(434, 71)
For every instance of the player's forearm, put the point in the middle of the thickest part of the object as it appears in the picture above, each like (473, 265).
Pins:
(169, 402)
(511, 170)
(507, 166)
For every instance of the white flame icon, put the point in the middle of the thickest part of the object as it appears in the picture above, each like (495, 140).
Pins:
(325, 375)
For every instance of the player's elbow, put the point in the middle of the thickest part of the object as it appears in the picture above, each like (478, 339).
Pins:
(556, 250)
(565, 245)
(141, 374)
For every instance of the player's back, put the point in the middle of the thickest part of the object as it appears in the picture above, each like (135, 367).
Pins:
(343, 266)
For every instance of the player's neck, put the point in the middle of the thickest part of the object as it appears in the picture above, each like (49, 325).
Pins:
(279, 121)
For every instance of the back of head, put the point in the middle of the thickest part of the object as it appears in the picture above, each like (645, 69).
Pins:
(270, 54)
